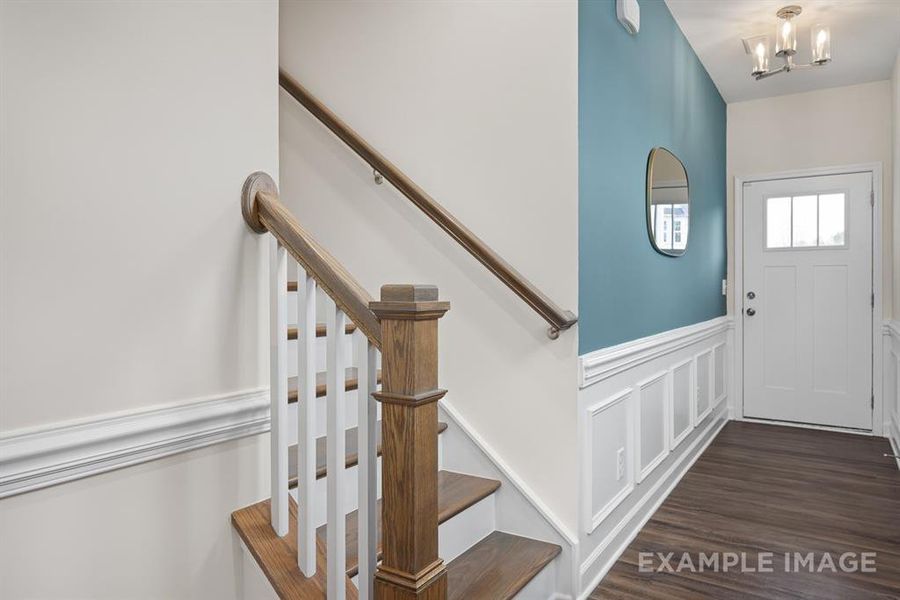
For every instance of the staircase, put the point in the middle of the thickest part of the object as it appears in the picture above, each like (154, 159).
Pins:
(360, 507)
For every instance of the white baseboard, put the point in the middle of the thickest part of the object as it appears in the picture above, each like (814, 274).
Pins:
(39, 457)
(640, 513)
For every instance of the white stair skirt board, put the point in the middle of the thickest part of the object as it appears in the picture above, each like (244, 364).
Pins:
(518, 510)
(35, 458)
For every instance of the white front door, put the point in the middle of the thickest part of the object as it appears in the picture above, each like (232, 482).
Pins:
(807, 300)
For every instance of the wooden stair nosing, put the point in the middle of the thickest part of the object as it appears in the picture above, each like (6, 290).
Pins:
(456, 493)
(321, 330)
(351, 382)
(498, 567)
(351, 440)
(277, 556)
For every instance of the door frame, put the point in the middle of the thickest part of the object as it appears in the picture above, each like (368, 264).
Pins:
(736, 308)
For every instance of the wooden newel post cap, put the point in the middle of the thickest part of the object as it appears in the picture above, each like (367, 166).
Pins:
(408, 301)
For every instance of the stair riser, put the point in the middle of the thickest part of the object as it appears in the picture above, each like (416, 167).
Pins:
(464, 530)
(351, 491)
(543, 586)
(320, 354)
(350, 416)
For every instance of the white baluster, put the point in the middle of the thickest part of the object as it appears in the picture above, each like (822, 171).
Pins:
(366, 355)
(278, 385)
(337, 362)
(306, 421)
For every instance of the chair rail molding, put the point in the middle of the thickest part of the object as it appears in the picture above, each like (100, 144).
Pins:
(35, 458)
(602, 364)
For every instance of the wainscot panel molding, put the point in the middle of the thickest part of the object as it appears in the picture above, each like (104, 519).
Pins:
(891, 385)
(595, 511)
(626, 529)
(652, 424)
(653, 404)
(602, 364)
(684, 390)
(703, 367)
(40, 457)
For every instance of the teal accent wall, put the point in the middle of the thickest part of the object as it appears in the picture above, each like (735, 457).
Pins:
(635, 93)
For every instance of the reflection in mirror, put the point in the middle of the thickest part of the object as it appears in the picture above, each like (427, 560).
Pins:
(668, 202)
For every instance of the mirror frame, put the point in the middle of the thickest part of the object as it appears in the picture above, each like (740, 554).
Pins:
(649, 199)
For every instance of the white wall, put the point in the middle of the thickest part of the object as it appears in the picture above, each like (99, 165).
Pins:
(829, 127)
(658, 401)
(127, 272)
(128, 278)
(158, 530)
(477, 102)
(891, 370)
(895, 171)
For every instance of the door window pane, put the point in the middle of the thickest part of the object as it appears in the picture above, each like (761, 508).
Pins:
(662, 225)
(778, 223)
(831, 220)
(679, 226)
(805, 221)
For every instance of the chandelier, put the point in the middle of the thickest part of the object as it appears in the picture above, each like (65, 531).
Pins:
(786, 46)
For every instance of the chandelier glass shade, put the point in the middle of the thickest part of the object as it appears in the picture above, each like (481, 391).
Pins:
(785, 42)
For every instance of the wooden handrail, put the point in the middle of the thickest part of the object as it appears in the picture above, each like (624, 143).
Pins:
(263, 211)
(558, 318)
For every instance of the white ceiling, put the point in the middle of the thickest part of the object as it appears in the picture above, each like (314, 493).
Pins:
(865, 40)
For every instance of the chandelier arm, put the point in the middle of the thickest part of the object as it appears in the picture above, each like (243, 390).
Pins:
(770, 73)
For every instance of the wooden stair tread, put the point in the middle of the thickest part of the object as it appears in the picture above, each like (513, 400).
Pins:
(321, 330)
(497, 567)
(351, 440)
(351, 382)
(277, 557)
(456, 493)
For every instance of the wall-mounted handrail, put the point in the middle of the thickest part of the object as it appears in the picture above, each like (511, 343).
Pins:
(558, 318)
(263, 211)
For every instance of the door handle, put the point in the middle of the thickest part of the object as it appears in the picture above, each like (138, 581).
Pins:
(751, 312)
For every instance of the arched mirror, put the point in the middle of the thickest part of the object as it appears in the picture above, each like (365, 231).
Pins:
(668, 203)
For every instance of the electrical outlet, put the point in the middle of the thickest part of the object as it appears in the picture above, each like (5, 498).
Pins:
(620, 464)
(724, 287)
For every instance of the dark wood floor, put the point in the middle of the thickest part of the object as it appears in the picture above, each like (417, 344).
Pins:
(765, 488)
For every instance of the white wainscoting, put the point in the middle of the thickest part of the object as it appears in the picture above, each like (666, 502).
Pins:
(653, 426)
(604, 480)
(891, 384)
(36, 458)
(657, 402)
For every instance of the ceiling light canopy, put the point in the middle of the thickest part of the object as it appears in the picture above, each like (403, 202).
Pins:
(786, 45)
